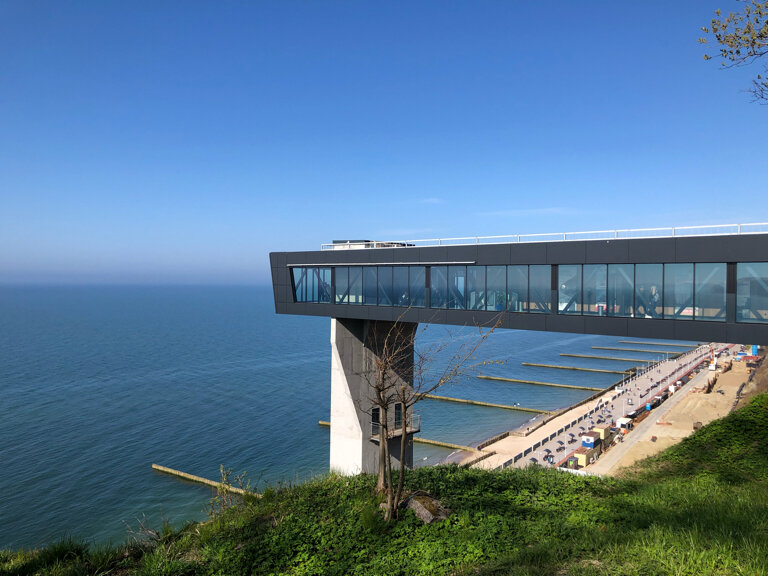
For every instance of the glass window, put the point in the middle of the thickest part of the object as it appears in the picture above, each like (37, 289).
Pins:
(593, 289)
(569, 289)
(355, 285)
(540, 289)
(496, 287)
(438, 286)
(710, 292)
(418, 286)
(476, 287)
(400, 286)
(299, 284)
(752, 292)
(457, 287)
(517, 288)
(324, 284)
(648, 282)
(621, 288)
(370, 285)
(385, 286)
(678, 291)
(341, 274)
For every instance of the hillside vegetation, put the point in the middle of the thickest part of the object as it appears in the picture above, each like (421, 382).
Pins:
(699, 508)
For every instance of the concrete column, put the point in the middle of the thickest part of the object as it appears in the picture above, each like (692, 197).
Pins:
(354, 345)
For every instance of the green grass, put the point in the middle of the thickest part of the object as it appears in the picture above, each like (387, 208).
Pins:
(700, 508)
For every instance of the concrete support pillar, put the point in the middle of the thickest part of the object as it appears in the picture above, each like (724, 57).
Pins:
(354, 346)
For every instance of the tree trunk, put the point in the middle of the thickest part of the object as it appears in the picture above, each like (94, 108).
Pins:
(381, 482)
(403, 444)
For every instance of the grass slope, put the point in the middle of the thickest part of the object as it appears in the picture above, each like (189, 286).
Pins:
(699, 508)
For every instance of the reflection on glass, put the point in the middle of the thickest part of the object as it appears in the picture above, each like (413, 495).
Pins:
(457, 287)
(370, 285)
(593, 292)
(355, 285)
(400, 286)
(324, 285)
(648, 282)
(476, 287)
(417, 281)
(438, 286)
(710, 292)
(385, 286)
(496, 287)
(517, 288)
(620, 289)
(342, 284)
(299, 284)
(540, 288)
(678, 291)
(569, 289)
(752, 292)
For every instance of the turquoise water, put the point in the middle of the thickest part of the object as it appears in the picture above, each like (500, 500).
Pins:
(98, 383)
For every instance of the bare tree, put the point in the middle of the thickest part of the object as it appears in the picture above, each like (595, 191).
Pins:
(400, 374)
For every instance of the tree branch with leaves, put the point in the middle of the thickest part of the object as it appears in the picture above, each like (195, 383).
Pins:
(743, 39)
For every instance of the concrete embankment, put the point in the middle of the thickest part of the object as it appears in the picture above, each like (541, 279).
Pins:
(200, 480)
(488, 404)
(577, 368)
(518, 381)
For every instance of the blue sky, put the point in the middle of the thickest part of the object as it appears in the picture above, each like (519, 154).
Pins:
(181, 142)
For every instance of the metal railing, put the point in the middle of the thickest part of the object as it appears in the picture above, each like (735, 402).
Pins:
(669, 232)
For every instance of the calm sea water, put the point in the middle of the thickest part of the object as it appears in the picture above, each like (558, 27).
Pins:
(98, 383)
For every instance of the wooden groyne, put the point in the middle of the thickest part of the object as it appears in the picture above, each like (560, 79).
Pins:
(200, 480)
(572, 386)
(593, 357)
(488, 404)
(639, 351)
(657, 344)
(420, 440)
(579, 368)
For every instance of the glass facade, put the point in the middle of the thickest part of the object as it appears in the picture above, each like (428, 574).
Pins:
(569, 289)
(752, 292)
(496, 288)
(438, 286)
(457, 287)
(417, 286)
(593, 289)
(621, 282)
(476, 287)
(680, 291)
(517, 288)
(710, 292)
(648, 281)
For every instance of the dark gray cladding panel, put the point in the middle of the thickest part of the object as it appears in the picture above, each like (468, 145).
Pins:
(408, 255)
(562, 323)
(432, 316)
(434, 254)
(607, 252)
(707, 331)
(607, 326)
(566, 252)
(462, 253)
(652, 250)
(648, 328)
(493, 254)
(526, 321)
(723, 248)
(528, 253)
(746, 334)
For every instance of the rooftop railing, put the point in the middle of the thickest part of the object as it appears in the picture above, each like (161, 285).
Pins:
(670, 232)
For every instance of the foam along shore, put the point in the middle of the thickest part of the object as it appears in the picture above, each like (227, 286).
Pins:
(557, 435)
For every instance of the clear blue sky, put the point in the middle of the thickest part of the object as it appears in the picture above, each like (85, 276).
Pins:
(181, 142)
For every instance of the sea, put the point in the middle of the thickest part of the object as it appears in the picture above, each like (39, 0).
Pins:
(97, 383)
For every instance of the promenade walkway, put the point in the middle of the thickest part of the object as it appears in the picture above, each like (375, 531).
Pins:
(561, 435)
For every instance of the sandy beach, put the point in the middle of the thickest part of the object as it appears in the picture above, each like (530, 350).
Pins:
(668, 423)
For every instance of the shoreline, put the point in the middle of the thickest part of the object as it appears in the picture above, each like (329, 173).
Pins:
(554, 432)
